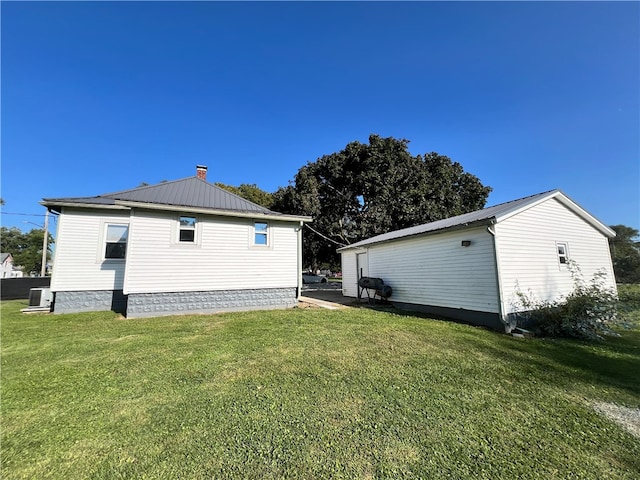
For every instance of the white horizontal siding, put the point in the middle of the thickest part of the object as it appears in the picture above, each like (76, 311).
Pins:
(79, 247)
(436, 270)
(528, 257)
(224, 257)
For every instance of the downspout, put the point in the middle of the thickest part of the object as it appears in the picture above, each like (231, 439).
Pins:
(496, 258)
(299, 274)
(127, 263)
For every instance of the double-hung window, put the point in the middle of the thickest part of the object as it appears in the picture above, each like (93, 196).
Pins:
(563, 254)
(116, 241)
(261, 234)
(187, 230)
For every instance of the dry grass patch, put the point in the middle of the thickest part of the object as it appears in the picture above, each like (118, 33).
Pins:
(628, 418)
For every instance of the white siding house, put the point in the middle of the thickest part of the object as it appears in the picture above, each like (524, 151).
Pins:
(174, 247)
(472, 266)
(7, 270)
(79, 246)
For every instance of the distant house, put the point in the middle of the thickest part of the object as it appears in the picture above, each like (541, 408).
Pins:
(7, 265)
(7, 269)
(470, 267)
(185, 246)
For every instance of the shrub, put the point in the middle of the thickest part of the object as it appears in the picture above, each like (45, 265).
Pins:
(588, 312)
(629, 304)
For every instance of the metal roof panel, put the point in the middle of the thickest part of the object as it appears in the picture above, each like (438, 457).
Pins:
(188, 192)
(486, 214)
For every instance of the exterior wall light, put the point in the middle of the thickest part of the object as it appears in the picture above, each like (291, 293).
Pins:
(466, 243)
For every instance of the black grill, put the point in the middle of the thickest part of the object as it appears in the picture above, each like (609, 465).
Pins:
(377, 285)
(371, 283)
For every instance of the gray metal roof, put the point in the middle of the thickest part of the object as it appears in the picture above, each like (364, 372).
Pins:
(486, 215)
(188, 192)
(3, 257)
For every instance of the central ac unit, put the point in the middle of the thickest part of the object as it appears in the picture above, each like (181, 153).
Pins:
(40, 297)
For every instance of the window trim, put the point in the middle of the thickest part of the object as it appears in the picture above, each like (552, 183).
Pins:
(560, 256)
(103, 244)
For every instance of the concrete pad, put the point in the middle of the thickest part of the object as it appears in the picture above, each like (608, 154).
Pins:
(322, 303)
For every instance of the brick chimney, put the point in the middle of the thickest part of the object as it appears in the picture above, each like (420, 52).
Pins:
(201, 172)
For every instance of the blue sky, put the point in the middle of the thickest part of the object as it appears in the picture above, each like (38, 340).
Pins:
(98, 97)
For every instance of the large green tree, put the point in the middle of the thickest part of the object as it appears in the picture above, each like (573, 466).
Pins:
(251, 192)
(25, 248)
(369, 189)
(625, 254)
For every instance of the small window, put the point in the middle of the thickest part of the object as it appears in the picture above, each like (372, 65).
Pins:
(116, 241)
(261, 231)
(187, 229)
(563, 255)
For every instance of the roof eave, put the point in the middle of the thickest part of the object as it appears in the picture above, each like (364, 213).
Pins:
(213, 211)
(463, 226)
(581, 212)
(128, 205)
(55, 203)
(567, 202)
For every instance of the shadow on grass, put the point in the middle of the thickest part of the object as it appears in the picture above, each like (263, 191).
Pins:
(572, 364)
(613, 363)
(578, 365)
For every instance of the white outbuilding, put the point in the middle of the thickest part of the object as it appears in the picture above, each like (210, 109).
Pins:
(472, 266)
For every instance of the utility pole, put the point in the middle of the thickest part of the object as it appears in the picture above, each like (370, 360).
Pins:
(45, 245)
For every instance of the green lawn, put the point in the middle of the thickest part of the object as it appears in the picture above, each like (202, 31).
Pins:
(309, 394)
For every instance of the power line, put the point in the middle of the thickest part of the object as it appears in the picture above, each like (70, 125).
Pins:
(25, 214)
(324, 236)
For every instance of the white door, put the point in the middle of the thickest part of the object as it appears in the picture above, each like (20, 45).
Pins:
(362, 265)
